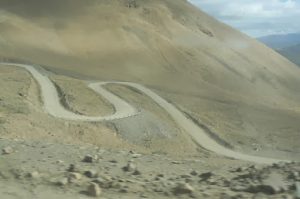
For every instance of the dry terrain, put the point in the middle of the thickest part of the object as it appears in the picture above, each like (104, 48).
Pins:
(242, 94)
(230, 82)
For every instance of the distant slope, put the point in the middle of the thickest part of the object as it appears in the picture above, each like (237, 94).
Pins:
(292, 53)
(242, 90)
(281, 41)
(287, 45)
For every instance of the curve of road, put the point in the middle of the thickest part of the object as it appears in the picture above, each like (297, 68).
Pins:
(53, 106)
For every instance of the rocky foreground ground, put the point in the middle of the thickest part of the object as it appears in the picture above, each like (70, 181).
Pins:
(33, 169)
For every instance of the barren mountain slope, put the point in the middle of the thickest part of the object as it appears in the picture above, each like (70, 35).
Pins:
(243, 91)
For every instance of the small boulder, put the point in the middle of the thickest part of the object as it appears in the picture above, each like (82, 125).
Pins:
(113, 161)
(275, 183)
(194, 173)
(183, 188)
(253, 167)
(62, 182)
(123, 190)
(136, 155)
(33, 174)
(72, 168)
(205, 176)
(94, 190)
(88, 159)
(91, 173)
(240, 169)
(130, 167)
(59, 162)
(7, 150)
(160, 176)
(74, 177)
(294, 175)
(136, 172)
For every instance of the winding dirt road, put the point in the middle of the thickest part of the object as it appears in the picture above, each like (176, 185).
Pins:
(53, 106)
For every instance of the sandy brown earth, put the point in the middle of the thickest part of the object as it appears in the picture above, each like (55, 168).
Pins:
(233, 84)
(169, 164)
(255, 129)
(46, 170)
(81, 99)
(23, 117)
(237, 89)
(28, 120)
(57, 106)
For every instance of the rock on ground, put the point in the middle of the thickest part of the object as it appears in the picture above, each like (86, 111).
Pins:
(94, 190)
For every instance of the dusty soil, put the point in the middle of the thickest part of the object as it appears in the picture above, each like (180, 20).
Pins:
(37, 151)
(252, 128)
(39, 169)
(23, 117)
(244, 93)
(80, 98)
(231, 83)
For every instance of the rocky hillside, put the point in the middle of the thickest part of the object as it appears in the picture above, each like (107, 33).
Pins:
(241, 90)
(242, 94)
(89, 172)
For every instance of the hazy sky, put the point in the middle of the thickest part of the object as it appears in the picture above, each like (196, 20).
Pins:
(255, 17)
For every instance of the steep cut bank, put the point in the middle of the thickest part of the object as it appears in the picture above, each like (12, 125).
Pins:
(244, 91)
